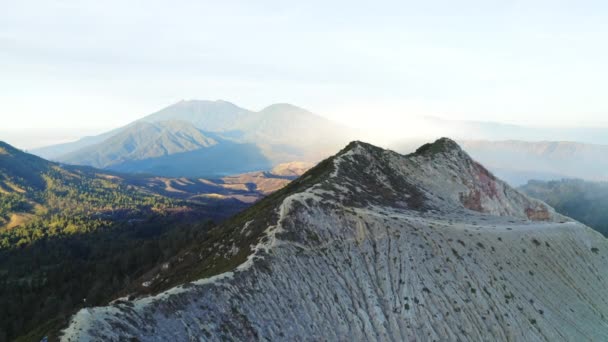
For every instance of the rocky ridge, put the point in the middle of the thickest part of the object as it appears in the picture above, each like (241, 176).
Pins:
(373, 245)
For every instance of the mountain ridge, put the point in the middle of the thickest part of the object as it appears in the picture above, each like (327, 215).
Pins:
(143, 140)
(518, 161)
(360, 247)
(203, 114)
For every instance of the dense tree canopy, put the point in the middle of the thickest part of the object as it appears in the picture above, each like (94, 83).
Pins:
(75, 236)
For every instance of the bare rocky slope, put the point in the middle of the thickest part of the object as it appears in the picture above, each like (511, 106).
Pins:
(374, 245)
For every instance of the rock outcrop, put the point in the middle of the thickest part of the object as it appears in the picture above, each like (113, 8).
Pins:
(373, 245)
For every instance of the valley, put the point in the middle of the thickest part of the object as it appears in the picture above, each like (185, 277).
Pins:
(73, 236)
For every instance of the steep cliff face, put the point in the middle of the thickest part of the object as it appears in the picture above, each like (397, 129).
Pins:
(373, 245)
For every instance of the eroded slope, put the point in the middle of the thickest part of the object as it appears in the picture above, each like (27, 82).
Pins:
(381, 246)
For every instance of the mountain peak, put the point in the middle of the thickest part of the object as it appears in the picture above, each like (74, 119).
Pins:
(143, 140)
(283, 107)
(210, 116)
(194, 102)
(353, 145)
(371, 228)
(442, 145)
(440, 177)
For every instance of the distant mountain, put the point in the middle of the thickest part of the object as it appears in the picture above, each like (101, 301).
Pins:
(142, 140)
(212, 138)
(55, 151)
(582, 200)
(170, 149)
(210, 116)
(371, 245)
(282, 132)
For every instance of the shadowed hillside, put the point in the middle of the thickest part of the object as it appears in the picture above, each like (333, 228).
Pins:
(74, 236)
(584, 201)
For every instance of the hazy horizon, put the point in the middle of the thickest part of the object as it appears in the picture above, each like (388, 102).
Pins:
(411, 128)
(419, 128)
(88, 66)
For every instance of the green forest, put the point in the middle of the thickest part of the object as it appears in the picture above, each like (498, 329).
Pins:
(74, 236)
(73, 203)
(42, 284)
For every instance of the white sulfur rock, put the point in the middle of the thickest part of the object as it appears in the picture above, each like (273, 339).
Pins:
(427, 247)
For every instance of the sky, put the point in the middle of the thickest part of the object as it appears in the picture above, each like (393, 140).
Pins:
(74, 68)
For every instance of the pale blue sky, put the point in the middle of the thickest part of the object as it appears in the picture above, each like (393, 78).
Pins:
(86, 66)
